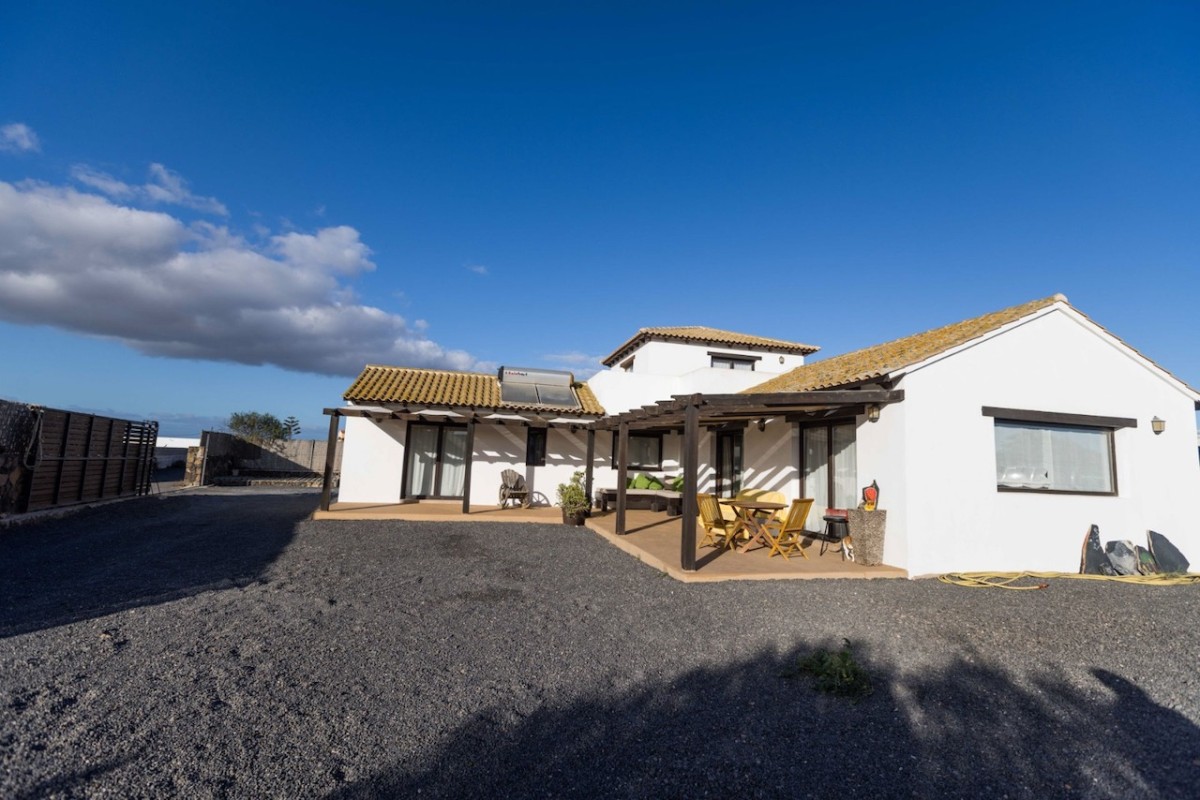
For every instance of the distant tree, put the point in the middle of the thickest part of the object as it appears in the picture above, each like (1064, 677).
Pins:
(257, 427)
(293, 427)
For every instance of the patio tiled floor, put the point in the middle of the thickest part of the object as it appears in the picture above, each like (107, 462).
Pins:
(652, 537)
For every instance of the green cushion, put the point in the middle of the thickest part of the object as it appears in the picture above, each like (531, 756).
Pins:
(654, 483)
(677, 483)
(641, 482)
(629, 482)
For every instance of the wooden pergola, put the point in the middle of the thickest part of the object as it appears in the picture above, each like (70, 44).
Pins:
(689, 412)
(682, 412)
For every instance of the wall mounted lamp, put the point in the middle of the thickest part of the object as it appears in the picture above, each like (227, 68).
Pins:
(762, 425)
(1158, 425)
(873, 413)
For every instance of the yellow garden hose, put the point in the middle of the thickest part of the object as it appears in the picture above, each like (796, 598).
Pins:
(1008, 580)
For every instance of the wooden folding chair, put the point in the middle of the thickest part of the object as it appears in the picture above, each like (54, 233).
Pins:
(718, 531)
(785, 534)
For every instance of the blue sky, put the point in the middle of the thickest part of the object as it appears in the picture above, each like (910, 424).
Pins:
(214, 207)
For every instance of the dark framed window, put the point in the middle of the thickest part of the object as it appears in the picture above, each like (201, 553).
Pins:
(435, 460)
(729, 463)
(535, 447)
(1054, 453)
(1032, 457)
(829, 466)
(732, 361)
(645, 450)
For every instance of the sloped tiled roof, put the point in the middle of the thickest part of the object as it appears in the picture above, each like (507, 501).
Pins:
(699, 333)
(436, 387)
(875, 362)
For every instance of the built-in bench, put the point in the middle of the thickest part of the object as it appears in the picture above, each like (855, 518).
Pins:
(653, 499)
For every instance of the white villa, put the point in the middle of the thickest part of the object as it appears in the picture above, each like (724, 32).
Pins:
(996, 442)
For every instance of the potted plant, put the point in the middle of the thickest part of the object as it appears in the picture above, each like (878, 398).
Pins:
(574, 500)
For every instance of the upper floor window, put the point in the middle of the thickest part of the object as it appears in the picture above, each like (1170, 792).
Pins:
(731, 361)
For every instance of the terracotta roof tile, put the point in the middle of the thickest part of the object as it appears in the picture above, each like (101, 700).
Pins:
(433, 387)
(699, 333)
(875, 362)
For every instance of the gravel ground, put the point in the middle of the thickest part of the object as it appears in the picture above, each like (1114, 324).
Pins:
(216, 644)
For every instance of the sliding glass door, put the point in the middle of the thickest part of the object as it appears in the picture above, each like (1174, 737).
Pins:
(829, 467)
(437, 461)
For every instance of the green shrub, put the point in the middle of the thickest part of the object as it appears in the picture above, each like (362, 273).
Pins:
(835, 673)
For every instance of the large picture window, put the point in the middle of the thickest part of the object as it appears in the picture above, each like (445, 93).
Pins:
(1050, 451)
(645, 450)
(1056, 458)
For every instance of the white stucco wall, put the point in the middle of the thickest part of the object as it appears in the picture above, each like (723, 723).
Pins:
(372, 461)
(679, 358)
(952, 517)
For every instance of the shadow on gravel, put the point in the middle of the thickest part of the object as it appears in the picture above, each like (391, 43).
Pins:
(139, 552)
(966, 731)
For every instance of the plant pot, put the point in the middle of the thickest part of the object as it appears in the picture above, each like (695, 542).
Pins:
(866, 530)
(574, 517)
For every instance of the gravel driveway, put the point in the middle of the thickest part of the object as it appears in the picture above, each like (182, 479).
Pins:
(215, 644)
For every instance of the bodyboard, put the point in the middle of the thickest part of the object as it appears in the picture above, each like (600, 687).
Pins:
(1166, 555)
(1093, 561)
(1122, 557)
(1146, 563)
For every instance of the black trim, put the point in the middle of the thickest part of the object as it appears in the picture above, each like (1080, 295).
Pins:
(734, 356)
(1058, 418)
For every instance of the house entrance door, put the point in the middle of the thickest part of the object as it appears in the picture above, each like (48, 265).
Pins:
(437, 461)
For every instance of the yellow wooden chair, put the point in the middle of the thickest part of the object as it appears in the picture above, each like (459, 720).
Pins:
(718, 531)
(786, 534)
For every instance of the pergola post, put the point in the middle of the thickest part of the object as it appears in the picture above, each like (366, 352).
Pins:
(470, 448)
(330, 454)
(691, 466)
(591, 458)
(622, 473)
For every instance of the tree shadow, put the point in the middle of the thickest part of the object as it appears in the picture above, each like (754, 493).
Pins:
(139, 552)
(966, 730)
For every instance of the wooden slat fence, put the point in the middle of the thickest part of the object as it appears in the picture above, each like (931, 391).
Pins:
(82, 458)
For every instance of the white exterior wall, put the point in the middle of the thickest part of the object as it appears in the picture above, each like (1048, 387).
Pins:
(952, 517)
(372, 461)
(679, 358)
(881, 450)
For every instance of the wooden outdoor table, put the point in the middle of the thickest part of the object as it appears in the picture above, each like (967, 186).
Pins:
(751, 515)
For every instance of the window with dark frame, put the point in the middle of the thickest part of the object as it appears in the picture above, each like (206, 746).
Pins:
(535, 447)
(732, 362)
(645, 450)
(1053, 458)
(1055, 453)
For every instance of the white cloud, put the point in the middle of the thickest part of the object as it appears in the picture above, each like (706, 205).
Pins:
(81, 262)
(478, 269)
(582, 365)
(165, 186)
(17, 137)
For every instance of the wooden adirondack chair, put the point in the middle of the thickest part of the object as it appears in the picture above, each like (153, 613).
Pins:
(512, 487)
